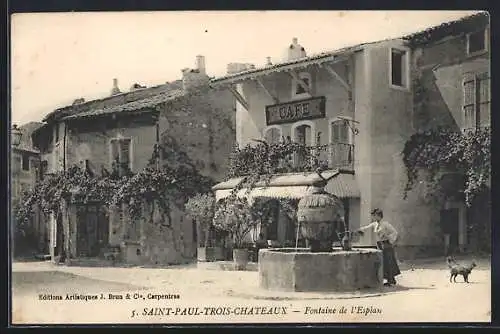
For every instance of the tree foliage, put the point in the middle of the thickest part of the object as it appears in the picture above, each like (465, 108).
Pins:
(201, 207)
(443, 149)
(234, 215)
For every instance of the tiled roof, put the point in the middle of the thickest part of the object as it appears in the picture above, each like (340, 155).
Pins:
(314, 59)
(324, 56)
(177, 84)
(139, 105)
(440, 31)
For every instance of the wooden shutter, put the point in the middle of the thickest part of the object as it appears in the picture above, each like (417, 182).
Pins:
(340, 132)
(484, 99)
(469, 104)
(125, 152)
(114, 150)
(272, 136)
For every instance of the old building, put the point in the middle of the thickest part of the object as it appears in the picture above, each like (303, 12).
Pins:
(360, 101)
(451, 87)
(24, 172)
(124, 128)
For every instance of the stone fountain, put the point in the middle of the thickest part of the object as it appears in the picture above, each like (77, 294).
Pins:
(321, 267)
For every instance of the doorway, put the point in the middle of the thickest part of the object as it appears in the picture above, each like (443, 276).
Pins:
(92, 230)
(450, 228)
(59, 249)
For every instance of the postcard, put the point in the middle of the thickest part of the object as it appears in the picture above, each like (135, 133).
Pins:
(250, 167)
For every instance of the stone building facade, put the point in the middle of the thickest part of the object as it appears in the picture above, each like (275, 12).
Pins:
(361, 101)
(126, 126)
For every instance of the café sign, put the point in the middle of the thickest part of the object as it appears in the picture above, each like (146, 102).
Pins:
(296, 111)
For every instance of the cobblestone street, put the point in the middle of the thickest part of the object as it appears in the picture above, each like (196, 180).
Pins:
(423, 294)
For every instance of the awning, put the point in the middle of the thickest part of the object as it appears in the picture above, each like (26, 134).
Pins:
(343, 186)
(271, 192)
(292, 185)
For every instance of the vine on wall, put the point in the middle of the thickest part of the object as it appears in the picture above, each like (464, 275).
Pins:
(443, 149)
(170, 181)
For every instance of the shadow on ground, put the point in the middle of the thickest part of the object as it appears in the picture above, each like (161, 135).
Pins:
(61, 283)
(262, 294)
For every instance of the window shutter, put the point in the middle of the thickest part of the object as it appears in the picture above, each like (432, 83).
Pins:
(344, 133)
(340, 132)
(273, 136)
(483, 82)
(335, 132)
(114, 150)
(125, 152)
(469, 102)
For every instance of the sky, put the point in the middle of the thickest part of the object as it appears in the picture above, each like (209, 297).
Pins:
(58, 57)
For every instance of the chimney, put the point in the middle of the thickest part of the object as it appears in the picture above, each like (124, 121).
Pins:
(268, 61)
(200, 64)
(115, 90)
(192, 78)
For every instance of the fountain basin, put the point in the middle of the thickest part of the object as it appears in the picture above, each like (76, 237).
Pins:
(300, 270)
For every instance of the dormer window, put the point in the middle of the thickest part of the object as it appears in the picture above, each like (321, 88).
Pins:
(298, 90)
(477, 42)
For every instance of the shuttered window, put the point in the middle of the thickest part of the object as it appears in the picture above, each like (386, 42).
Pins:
(121, 154)
(476, 104)
(273, 135)
(340, 132)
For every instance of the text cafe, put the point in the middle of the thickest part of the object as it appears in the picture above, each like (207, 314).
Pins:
(295, 111)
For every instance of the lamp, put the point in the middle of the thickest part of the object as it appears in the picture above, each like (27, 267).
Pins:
(15, 135)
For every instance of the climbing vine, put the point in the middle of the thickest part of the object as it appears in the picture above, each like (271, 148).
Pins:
(163, 181)
(443, 149)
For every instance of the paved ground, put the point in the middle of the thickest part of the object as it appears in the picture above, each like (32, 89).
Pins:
(423, 294)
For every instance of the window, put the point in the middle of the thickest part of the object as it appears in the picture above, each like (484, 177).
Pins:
(476, 42)
(477, 98)
(273, 135)
(341, 149)
(399, 68)
(121, 155)
(340, 132)
(298, 90)
(303, 135)
(26, 162)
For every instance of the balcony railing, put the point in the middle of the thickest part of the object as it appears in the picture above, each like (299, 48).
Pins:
(286, 157)
(337, 155)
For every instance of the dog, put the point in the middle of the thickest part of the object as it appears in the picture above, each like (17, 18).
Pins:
(458, 269)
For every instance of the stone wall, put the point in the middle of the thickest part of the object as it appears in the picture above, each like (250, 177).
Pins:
(164, 242)
(438, 71)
